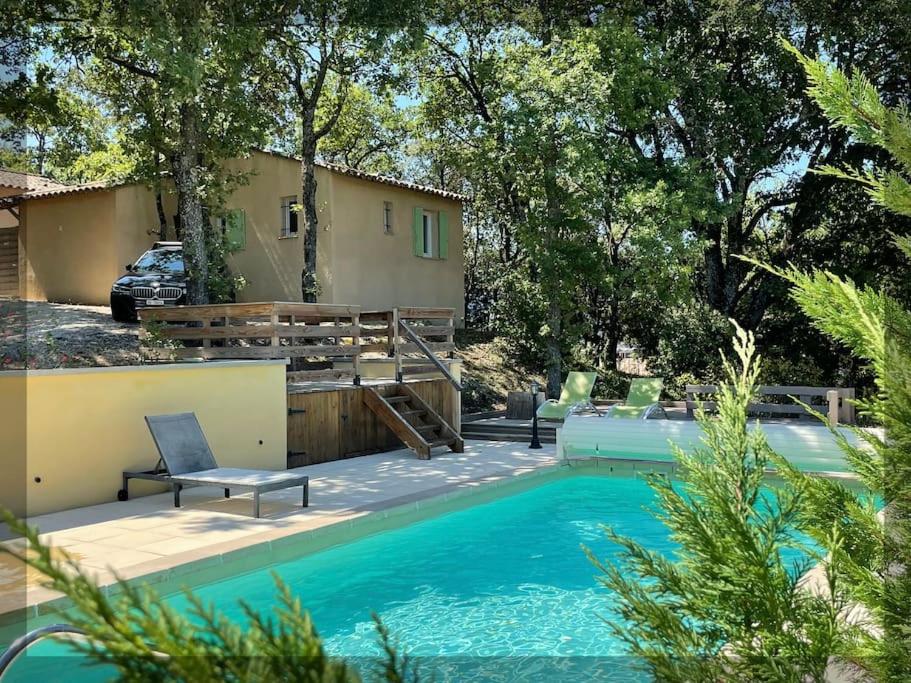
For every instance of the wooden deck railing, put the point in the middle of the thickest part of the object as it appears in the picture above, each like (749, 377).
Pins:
(834, 402)
(415, 340)
(313, 335)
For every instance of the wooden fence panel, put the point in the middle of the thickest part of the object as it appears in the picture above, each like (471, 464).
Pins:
(322, 333)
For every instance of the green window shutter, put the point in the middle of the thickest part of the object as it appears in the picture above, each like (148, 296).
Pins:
(444, 235)
(417, 231)
(236, 229)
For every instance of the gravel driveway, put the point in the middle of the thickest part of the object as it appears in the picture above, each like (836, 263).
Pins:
(44, 335)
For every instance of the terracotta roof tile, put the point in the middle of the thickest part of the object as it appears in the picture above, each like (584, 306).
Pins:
(26, 181)
(377, 178)
(57, 190)
(71, 189)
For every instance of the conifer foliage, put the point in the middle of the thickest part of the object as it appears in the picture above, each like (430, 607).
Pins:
(729, 605)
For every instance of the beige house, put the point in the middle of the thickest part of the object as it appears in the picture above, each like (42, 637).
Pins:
(12, 186)
(383, 242)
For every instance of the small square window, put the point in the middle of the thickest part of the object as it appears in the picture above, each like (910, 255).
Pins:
(387, 218)
(289, 217)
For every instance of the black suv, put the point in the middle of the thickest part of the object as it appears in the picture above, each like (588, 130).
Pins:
(156, 279)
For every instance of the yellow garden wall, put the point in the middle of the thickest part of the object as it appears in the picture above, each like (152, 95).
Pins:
(85, 426)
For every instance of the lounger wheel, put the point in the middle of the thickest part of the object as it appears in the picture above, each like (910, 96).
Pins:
(122, 495)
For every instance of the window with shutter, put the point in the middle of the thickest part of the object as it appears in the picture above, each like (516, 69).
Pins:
(417, 232)
(289, 217)
(236, 229)
(427, 236)
(443, 250)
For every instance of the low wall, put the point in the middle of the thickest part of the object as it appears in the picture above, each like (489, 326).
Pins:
(85, 426)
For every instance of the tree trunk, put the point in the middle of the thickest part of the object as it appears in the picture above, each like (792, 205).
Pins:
(554, 347)
(613, 334)
(552, 229)
(189, 207)
(159, 204)
(552, 283)
(162, 219)
(309, 284)
(41, 155)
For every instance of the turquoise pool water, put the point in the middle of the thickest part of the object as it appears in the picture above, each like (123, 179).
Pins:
(498, 591)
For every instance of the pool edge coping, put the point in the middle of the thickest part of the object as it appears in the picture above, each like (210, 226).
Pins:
(258, 550)
(245, 553)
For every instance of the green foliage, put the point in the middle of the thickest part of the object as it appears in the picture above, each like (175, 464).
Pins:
(681, 354)
(878, 330)
(134, 630)
(874, 552)
(854, 103)
(370, 132)
(729, 606)
(611, 383)
(678, 135)
(477, 396)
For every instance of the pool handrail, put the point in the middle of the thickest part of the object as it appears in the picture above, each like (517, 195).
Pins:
(22, 643)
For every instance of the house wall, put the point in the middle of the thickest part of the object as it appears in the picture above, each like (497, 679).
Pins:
(137, 223)
(376, 270)
(272, 264)
(85, 426)
(68, 249)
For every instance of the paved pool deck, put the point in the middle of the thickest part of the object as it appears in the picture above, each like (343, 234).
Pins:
(148, 537)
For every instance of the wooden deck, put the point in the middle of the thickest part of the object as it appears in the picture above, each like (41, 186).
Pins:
(323, 342)
(343, 365)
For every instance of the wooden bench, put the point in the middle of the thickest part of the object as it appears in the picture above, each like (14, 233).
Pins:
(834, 402)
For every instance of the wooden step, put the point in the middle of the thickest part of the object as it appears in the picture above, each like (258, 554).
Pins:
(447, 432)
(398, 425)
(389, 410)
(442, 442)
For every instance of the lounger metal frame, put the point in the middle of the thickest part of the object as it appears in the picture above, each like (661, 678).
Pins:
(179, 482)
(202, 468)
(653, 409)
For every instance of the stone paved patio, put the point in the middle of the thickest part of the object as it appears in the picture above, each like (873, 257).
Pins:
(147, 535)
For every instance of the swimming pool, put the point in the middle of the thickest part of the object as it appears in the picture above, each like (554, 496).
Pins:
(495, 591)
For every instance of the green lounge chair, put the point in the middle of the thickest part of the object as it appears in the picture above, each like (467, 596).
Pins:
(575, 397)
(642, 400)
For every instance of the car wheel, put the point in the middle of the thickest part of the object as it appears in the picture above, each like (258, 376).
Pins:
(121, 313)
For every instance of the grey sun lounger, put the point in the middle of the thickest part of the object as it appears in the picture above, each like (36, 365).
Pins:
(186, 460)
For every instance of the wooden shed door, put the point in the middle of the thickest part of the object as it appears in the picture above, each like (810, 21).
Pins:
(313, 428)
(9, 261)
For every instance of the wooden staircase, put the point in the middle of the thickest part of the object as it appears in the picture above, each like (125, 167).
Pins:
(413, 421)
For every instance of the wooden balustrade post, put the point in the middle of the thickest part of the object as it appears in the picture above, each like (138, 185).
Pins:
(846, 414)
(396, 346)
(450, 338)
(391, 330)
(356, 341)
(832, 398)
(273, 320)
